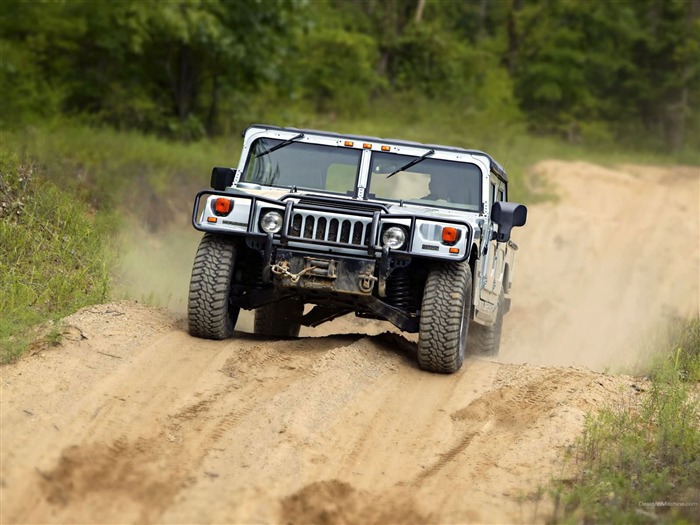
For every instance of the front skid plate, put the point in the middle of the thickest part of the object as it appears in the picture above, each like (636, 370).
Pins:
(333, 274)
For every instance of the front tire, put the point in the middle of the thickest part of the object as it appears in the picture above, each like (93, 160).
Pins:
(210, 312)
(444, 322)
(280, 319)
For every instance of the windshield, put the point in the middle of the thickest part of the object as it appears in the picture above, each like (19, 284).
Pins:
(304, 165)
(431, 182)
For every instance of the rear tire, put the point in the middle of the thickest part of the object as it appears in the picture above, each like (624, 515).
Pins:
(486, 340)
(444, 322)
(279, 319)
(210, 311)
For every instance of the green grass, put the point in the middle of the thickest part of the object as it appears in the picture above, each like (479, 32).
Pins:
(53, 255)
(639, 461)
(113, 170)
(66, 191)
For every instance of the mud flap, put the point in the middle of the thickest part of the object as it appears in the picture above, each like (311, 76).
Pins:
(506, 305)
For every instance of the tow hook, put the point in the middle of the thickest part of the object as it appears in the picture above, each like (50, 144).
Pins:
(366, 282)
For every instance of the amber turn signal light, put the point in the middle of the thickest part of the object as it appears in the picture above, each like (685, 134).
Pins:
(223, 206)
(450, 234)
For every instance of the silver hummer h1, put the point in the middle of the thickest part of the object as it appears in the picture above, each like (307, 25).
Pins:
(414, 234)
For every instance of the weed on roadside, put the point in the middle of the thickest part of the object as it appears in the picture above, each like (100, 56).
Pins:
(54, 256)
(639, 461)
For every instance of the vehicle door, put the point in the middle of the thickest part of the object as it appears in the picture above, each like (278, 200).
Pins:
(493, 262)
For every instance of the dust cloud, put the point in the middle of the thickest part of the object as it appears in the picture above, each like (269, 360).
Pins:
(155, 268)
(602, 270)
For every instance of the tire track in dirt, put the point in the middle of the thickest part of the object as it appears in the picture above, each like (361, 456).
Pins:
(335, 427)
(124, 469)
(123, 466)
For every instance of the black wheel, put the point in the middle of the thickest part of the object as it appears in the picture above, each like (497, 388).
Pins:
(444, 321)
(280, 319)
(210, 311)
(486, 340)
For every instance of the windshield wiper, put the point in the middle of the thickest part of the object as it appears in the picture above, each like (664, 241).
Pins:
(412, 163)
(280, 145)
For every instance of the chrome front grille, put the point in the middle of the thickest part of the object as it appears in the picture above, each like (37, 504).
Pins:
(318, 226)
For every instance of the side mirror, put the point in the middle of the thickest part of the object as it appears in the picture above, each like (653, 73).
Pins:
(507, 215)
(221, 178)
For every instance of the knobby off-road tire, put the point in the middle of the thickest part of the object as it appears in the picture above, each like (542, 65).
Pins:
(444, 322)
(486, 340)
(279, 319)
(210, 312)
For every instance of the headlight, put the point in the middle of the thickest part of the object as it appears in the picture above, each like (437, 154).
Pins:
(271, 222)
(394, 237)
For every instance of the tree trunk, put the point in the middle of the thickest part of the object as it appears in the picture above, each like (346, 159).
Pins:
(184, 82)
(213, 105)
(674, 121)
(419, 12)
(513, 37)
(481, 20)
(677, 111)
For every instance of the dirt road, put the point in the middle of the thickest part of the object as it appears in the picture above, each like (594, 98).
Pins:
(130, 420)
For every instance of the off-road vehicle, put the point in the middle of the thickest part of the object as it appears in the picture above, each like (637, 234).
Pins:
(313, 225)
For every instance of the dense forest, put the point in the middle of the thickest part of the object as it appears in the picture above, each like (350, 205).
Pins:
(584, 70)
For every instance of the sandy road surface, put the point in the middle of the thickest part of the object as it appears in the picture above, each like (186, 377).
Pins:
(130, 420)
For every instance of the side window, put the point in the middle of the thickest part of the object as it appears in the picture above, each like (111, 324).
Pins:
(492, 196)
(501, 195)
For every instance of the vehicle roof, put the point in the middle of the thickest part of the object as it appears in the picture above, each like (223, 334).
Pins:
(494, 165)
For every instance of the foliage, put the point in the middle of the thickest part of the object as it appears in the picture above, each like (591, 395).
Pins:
(683, 353)
(53, 256)
(337, 70)
(590, 72)
(586, 66)
(639, 462)
(154, 66)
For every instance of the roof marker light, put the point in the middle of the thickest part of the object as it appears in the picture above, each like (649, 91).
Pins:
(367, 145)
(349, 143)
(386, 148)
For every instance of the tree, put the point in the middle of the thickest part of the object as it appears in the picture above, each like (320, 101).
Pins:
(667, 76)
(157, 66)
